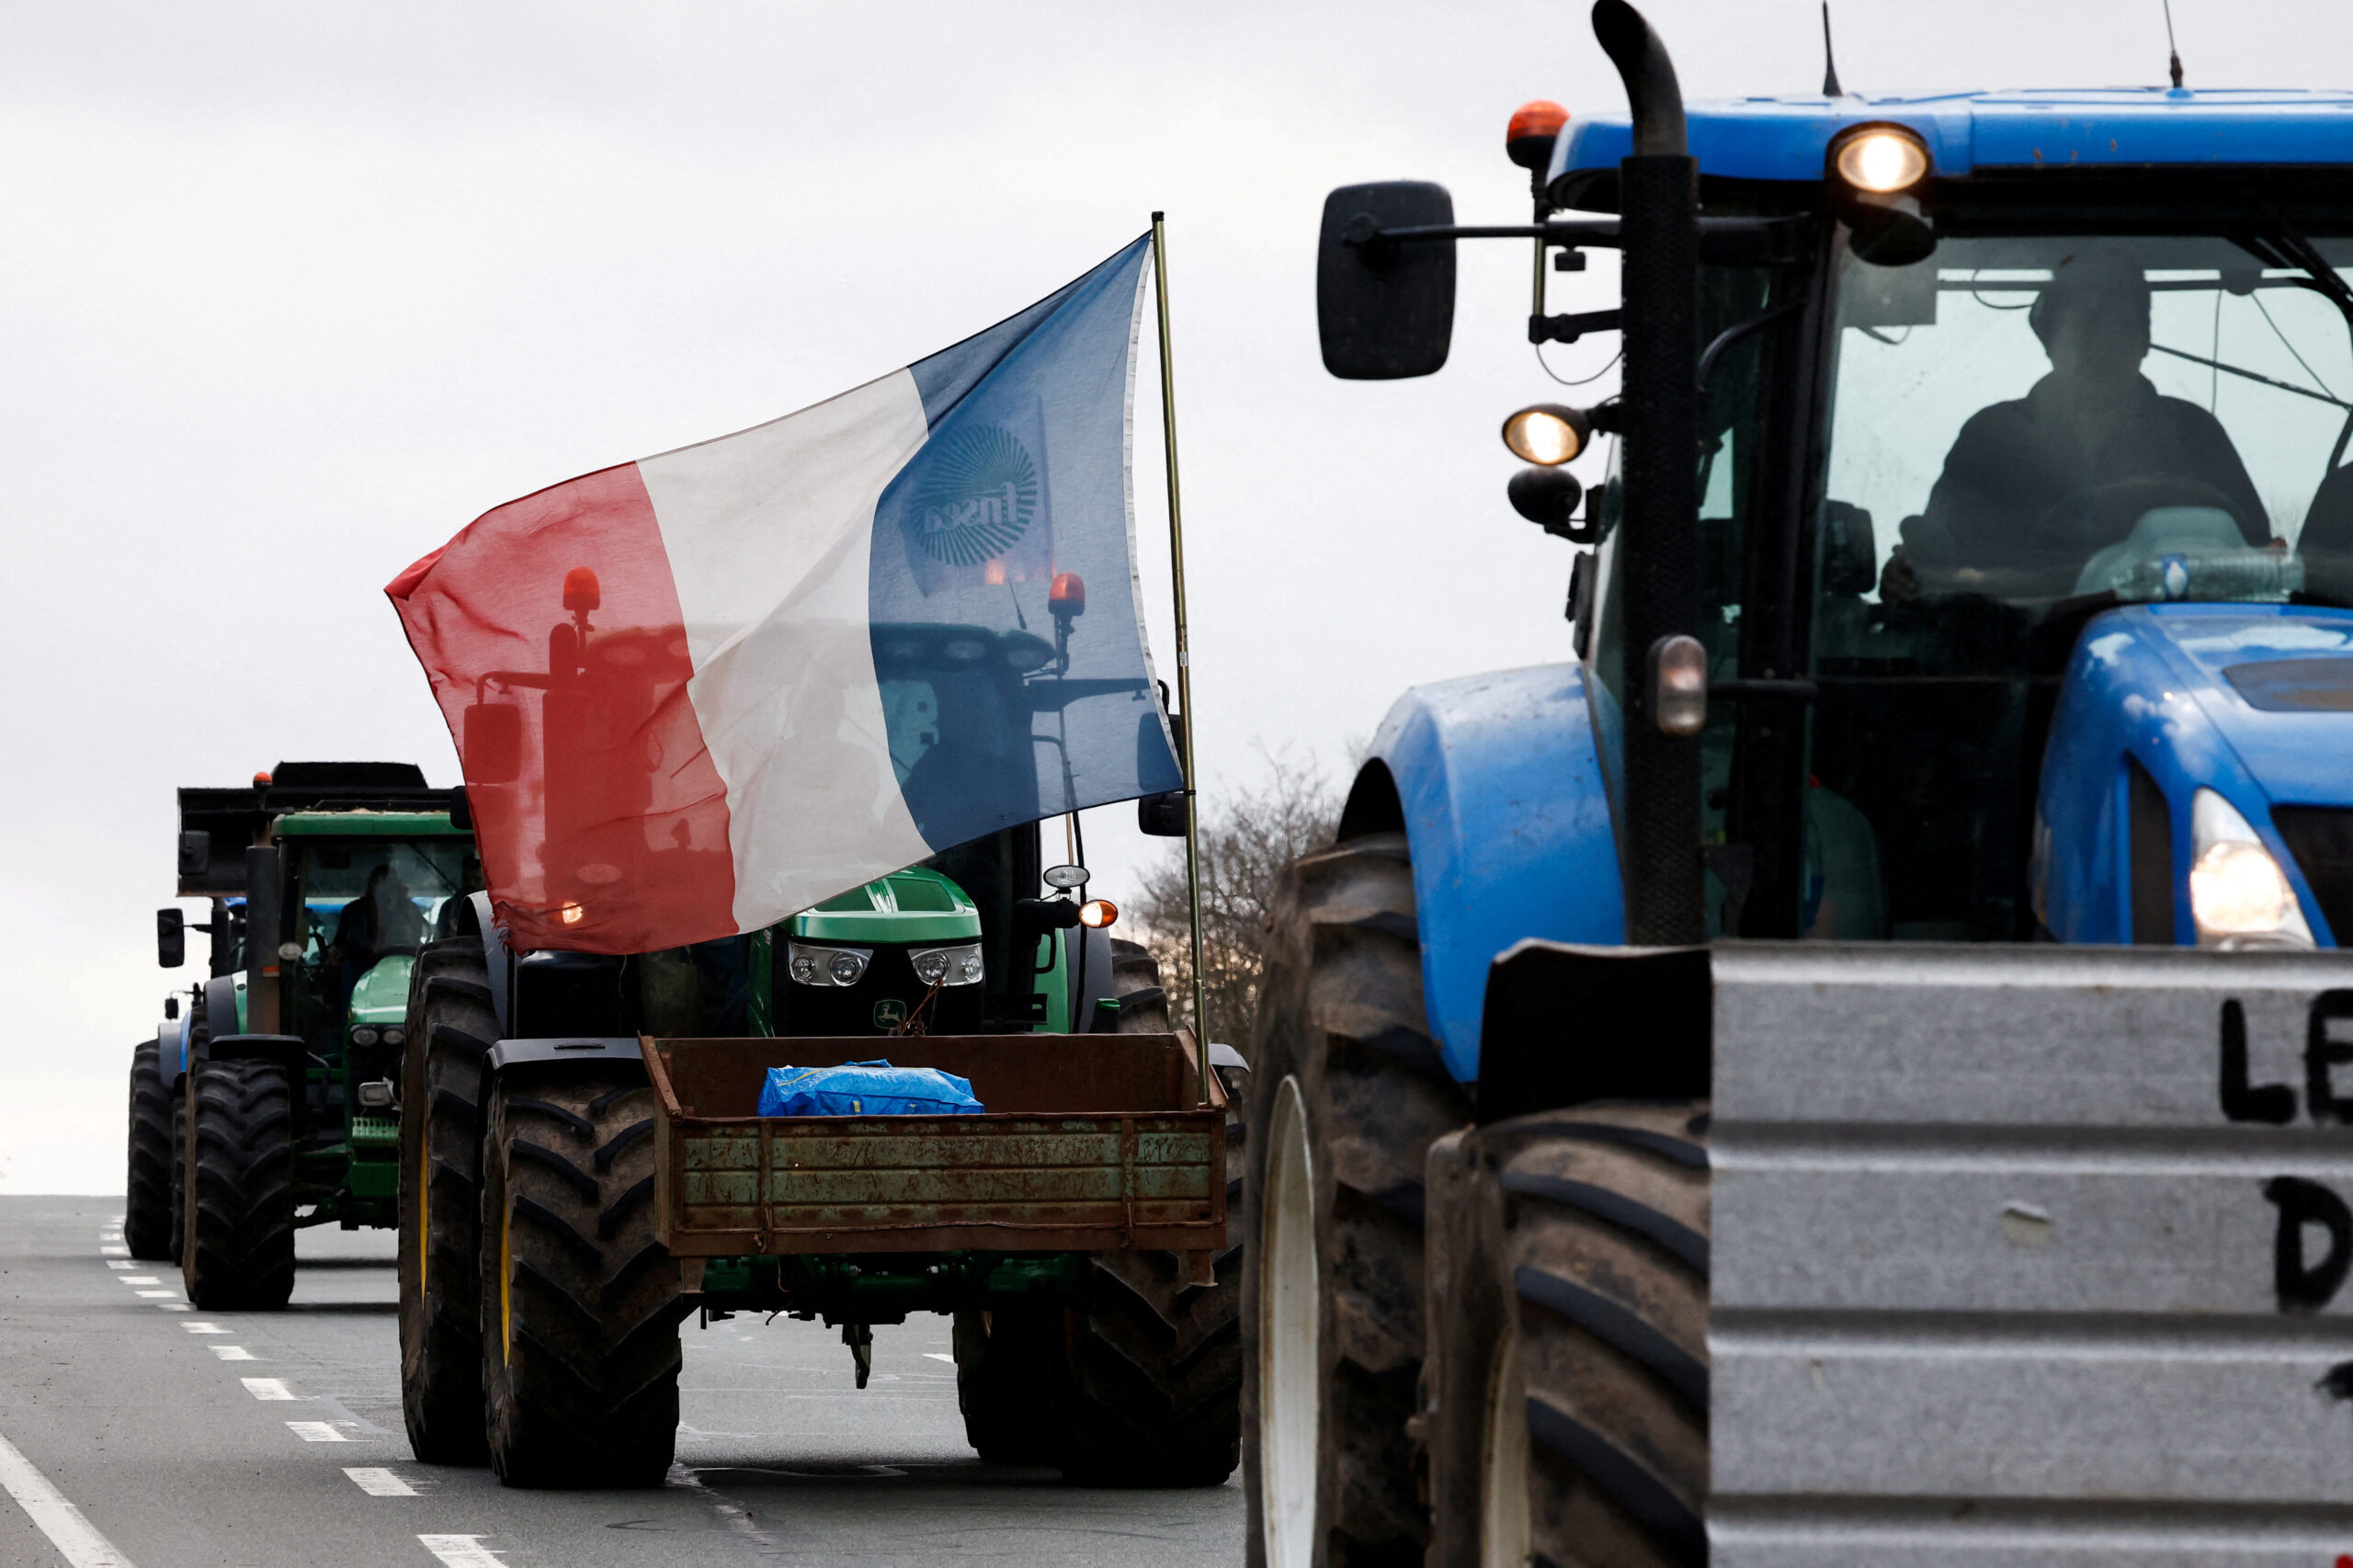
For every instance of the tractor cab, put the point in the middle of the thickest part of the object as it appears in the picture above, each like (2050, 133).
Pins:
(1994, 397)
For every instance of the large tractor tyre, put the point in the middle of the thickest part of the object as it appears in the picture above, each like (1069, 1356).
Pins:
(147, 1200)
(1135, 981)
(1156, 1360)
(451, 1027)
(581, 1303)
(238, 1251)
(1568, 1374)
(179, 1174)
(1013, 1383)
(1348, 1091)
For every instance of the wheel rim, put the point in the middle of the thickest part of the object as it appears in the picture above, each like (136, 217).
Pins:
(1289, 1307)
(1503, 1464)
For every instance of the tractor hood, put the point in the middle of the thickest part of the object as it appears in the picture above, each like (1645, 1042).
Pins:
(913, 905)
(2276, 682)
(2252, 701)
(382, 995)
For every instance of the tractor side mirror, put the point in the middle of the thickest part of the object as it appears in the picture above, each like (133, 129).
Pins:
(1385, 307)
(492, 743)
(196, 852)
(461, 811)
(1161, 815)
(171, 939)
(171, 1008)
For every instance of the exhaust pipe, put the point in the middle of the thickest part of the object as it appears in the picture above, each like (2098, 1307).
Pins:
(1658, 224)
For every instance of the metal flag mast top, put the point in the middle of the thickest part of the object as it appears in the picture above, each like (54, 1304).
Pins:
(1184, 658)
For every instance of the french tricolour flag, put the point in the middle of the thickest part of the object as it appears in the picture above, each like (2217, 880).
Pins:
(700, 692)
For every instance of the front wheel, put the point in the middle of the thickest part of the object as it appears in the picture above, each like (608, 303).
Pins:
(1347, 1092)
(451, 1028)
(1568, 1369)
(147, 1200)
(581, 1303)
(238, 1254)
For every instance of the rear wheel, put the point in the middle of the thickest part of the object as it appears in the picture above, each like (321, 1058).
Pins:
(581, 1304)
(1569, 1367)
(1348, 1091)
(238, 1254)
(451, 1028)
(1013, 1383)
(147, 1200)
(1156, 1361)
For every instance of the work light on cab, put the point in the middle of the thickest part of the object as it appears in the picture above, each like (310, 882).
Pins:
(1548, 434)
(1883, 160)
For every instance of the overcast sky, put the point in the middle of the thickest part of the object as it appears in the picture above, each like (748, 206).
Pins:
(290, 293)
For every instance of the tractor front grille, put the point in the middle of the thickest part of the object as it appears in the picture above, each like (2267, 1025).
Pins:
(2320, 838)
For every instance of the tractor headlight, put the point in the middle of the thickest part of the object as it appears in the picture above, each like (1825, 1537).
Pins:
(2238, 895)
(948, 966)
(827, 966)
(365, 1035)
(395, 1035)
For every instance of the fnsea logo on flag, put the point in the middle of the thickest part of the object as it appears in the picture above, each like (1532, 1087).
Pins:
(700, 692)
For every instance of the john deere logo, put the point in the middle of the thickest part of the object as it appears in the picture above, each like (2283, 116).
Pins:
(978, 495)
(890, 1013)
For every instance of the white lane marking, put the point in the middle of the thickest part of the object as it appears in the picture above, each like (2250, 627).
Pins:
(316, 1431)
(380, 1482)
(175, 1307)
(201, 1327)
(114, 1249)
(75, 1538)
(935, 1356)
(230, 1352)
(460, 1551)
(117, 1263)
(264, 1388)
(141, 1280)
(154, 1295)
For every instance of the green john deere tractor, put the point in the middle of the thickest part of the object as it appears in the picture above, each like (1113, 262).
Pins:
(272, 1100)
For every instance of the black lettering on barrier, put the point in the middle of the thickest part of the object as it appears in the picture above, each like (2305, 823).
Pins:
(2273, 1103)
(2304, 1286)
(2323, 1056)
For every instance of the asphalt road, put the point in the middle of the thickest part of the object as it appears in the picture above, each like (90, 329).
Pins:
(262, 1439)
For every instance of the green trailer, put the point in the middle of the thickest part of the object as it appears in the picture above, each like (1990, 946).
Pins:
(271, 1100)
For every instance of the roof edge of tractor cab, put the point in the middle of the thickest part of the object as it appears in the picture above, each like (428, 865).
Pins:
(367, 823)
(1784, 139)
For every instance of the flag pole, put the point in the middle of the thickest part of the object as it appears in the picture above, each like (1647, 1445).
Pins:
(1184, 659)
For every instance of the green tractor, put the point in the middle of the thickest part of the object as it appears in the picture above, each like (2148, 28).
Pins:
(549, 1253)
(272, 1100)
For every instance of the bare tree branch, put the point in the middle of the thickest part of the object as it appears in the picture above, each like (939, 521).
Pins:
(1246, 840)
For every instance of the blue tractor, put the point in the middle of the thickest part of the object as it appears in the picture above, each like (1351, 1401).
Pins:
(1845, 1068)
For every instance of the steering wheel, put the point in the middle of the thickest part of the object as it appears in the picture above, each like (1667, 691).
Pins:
(2101, 515)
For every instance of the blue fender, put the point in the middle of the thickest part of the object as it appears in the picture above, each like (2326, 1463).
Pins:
(1499, 784)
(2149, 684)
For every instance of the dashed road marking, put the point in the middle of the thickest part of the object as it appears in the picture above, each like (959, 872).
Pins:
(266, 1388)
(230, 1352)
(117, 1263)
(380, 1482)
(935, 1356)
(114, 1249)
(201, 1327)
(141, 1280)
(154, 1295)
(175, 1307)
(316, 1431)
(75, 1536)
(460, 1551)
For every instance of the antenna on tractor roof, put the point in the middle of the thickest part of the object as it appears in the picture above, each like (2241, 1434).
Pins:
(1830, 87)
(2172, 53)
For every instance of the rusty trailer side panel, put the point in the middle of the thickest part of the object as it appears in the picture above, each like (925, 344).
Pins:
(1091, 1142)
